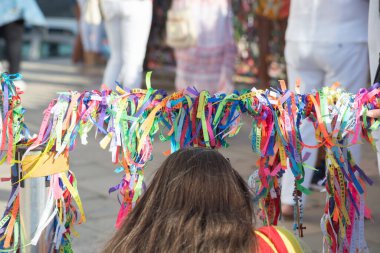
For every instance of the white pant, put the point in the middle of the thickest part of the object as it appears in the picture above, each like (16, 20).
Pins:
(318, 65)
(127, 24)
(91, 36)
(373, 36)
(374, 51)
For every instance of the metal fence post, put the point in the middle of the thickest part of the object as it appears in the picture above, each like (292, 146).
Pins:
(33, 198)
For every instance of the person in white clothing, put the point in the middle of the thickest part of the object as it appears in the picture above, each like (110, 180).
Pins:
(209, 64)
(326, 42)
(374, 36)
(91, 31)
(374, 54)
(127, 24)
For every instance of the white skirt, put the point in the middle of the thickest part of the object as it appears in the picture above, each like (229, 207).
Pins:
(210, 64)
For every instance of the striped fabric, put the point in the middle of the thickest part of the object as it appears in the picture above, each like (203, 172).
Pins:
(210, 64)
(271, 239)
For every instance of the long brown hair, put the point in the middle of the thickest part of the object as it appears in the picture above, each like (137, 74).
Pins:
(196, 202)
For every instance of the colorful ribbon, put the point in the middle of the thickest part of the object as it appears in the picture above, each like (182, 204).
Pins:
(128, 121)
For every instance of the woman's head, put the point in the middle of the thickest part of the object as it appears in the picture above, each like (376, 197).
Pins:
(196, 202)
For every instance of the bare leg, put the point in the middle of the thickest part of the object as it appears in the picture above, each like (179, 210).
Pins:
(77, 55)
(264, 28)
(283, 23)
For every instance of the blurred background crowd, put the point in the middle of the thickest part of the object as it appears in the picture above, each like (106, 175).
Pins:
(87, 31)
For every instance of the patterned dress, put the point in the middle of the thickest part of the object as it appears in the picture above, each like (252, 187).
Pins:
(210, 64)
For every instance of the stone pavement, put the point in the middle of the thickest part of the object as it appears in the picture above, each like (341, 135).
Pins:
(94, 169)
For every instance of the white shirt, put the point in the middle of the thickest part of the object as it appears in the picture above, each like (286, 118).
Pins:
(336, 21)
(374, 37)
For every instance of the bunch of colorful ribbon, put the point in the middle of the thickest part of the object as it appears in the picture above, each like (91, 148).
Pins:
(59, 209)
(12, 127)
(132, 125)
(274, 137)
(339, 124)
(198, 119)
(13, 131)
(128, 120)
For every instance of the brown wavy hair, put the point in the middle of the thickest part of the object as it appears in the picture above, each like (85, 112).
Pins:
(196, 202)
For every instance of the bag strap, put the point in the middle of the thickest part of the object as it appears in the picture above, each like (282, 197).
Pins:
(377, 75)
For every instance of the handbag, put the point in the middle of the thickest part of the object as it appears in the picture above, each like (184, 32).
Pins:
(181, 31)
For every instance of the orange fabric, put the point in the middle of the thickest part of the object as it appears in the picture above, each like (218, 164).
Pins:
(273, 9)
(11, 224)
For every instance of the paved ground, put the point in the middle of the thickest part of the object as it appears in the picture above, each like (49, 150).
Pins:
(94, 169)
